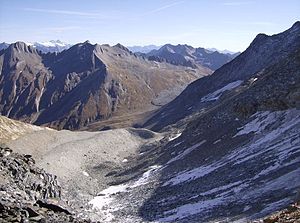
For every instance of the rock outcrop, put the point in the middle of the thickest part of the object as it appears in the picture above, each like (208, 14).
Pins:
(28, 193)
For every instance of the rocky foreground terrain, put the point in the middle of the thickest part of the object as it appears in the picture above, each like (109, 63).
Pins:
(28, 193)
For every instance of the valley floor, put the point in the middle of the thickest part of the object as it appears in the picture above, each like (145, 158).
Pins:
(136, 175)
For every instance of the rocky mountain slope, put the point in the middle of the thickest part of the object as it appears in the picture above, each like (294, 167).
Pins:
(237, 161)
(84, 83)
(262, 53)
(186, 55)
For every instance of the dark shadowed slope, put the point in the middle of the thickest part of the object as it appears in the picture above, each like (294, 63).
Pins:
(239, 160)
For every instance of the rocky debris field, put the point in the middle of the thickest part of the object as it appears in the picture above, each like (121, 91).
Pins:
(28, 193)
(288, 215)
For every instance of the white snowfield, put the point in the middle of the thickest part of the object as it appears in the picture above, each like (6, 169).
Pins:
(175, 136)
(218, 93)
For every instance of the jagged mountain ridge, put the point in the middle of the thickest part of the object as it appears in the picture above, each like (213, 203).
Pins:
(263, 52)
(82, 84)
(189, 56)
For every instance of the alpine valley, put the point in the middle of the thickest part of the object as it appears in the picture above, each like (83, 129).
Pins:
(167, 134)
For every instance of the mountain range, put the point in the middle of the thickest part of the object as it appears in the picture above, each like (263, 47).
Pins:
(186, 55)
(226, 149)
(62, 46)
(85, 83)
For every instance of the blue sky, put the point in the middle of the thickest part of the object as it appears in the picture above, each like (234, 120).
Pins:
(230, 24)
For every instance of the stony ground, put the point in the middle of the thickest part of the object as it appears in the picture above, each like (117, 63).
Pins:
(28, 193)
(288, 215)
(136, 175)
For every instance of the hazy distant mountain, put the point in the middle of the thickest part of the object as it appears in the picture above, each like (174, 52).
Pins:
(3, 45)
(222, 51)
(143, 49)
(84, 83)
(186, 55)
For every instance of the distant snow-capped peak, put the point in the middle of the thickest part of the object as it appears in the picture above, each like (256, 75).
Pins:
(52, 43)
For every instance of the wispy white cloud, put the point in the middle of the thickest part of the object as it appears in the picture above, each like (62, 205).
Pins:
(153, 11)
(99, 15)
(237, 3)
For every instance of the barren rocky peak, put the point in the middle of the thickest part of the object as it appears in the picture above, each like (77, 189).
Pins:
(22, 47)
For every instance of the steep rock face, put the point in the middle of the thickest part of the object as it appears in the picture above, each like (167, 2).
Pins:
(263, 52)
(84, 83)
(22, 81)
(186, 55)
